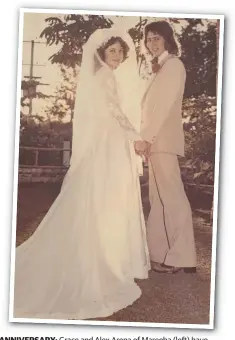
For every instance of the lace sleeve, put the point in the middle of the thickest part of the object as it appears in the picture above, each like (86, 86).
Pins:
(116, 111)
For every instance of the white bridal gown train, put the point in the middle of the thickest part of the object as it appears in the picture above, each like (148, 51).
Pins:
(82, 260)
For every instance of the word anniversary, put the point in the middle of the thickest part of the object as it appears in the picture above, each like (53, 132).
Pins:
(28, 338)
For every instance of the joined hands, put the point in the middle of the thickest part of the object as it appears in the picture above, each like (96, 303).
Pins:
(142, 148)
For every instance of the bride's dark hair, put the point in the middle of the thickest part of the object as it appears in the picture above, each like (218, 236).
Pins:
(110, 42)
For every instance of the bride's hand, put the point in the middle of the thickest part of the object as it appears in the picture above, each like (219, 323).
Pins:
(140, 147)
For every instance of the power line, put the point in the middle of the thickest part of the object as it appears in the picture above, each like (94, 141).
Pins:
(35, 42)
(34, 65)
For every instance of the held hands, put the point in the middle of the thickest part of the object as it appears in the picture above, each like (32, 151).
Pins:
(142, 148)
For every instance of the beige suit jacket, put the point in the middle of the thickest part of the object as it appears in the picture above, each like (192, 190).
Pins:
(162, 108)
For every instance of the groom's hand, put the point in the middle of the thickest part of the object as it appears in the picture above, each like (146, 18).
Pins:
(142, 148)
(147, 151)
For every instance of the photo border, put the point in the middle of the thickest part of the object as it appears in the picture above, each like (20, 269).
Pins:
(219, 17)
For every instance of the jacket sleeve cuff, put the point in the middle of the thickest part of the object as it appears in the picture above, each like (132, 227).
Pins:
(148, 138)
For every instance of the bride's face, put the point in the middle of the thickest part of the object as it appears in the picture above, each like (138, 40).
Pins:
(113, 55)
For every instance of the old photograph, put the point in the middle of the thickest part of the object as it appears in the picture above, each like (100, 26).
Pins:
(116, 168)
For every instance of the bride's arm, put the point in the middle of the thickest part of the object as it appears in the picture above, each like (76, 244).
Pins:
(116, 111)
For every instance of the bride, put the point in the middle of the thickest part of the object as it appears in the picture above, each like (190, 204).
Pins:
(82, 260)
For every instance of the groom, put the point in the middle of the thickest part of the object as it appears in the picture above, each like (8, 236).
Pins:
(169, 228)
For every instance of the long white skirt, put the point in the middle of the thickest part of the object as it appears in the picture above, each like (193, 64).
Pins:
(82, 260)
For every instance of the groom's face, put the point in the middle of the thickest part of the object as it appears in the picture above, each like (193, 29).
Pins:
(155, 43)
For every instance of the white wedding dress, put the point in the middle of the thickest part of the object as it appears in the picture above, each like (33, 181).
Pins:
(83, 258)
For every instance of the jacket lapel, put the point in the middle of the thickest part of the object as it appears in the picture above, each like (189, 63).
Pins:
(153, 76)
(169, 56)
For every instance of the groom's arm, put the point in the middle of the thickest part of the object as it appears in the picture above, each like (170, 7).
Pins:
(170, 85)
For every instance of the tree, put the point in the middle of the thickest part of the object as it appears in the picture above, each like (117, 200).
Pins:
(136, 33)
(198, 41)
(36, 131)
(29, 88)
(199, 117)
(63, 104)
(71, 32)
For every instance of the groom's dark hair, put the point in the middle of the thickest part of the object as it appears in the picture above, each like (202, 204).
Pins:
(165, 30)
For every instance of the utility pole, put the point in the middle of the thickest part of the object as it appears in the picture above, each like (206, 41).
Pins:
(31, 76)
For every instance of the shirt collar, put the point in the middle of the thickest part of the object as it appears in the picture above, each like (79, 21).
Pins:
(162, 56)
